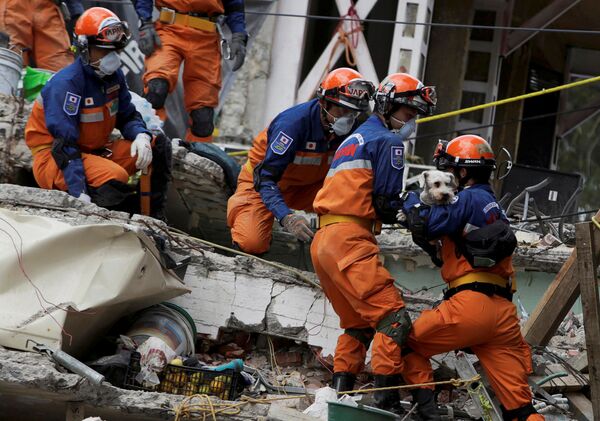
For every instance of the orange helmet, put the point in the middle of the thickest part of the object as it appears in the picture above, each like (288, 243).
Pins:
(101, 27)
(464, 151)
(404, 89)
(347, 88)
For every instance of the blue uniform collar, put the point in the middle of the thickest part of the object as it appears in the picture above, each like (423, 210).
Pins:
(485, 187)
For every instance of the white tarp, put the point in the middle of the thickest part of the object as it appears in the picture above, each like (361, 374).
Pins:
(81, 278)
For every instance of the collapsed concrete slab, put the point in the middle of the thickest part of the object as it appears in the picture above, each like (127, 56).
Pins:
(31, 381)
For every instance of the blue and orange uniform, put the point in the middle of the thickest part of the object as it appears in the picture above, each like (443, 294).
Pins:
(79, 110)
(286, 167)
(477, 312)
(360, 192)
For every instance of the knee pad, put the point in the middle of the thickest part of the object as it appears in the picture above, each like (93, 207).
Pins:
(202, 122)
(364, 336)
(396, 325)
(157, 92)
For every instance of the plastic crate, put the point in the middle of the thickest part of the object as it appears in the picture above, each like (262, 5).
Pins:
(181, 380)
(189, 381)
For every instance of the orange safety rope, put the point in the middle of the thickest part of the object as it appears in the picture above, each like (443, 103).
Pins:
(349, 39)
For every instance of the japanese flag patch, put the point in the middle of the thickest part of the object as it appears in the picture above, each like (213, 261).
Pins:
(281, 144)
(311, 146)
(397, 157)
(71, 105)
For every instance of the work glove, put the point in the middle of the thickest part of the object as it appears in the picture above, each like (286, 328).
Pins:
(142, 148)
(148, 38)
(238, 49)
(299, 226)
(85, 198)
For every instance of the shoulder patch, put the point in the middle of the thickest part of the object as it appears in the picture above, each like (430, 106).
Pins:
(71, 105)
(281, 143)
(397, 157)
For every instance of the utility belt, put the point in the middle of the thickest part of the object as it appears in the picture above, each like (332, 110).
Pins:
(483, 282)
(372, 225)
(194, 20)
(102, 152)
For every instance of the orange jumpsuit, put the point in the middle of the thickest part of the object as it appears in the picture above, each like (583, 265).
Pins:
(368, 164)
(198, 48)
(291, 175)
(487, 324)
(37, 27)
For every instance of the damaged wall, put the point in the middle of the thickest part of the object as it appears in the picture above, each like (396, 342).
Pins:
(242, 113)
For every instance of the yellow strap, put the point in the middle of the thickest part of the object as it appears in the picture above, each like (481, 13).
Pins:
(248, 166)
(370, 224)
(596, 222)
(508, 100)
(40, 148)
(196, 22)
(481, 277)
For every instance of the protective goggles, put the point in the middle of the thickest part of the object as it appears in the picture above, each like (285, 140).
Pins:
(423, 99)
(114, 34)
(355, 95)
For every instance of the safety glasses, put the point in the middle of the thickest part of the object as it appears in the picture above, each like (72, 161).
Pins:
(113, 34)
(355, 95)
(427, 93)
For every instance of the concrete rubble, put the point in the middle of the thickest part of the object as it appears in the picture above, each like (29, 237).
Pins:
(227, 293)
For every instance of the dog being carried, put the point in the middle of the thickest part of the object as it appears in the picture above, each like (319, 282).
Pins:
(439, 188)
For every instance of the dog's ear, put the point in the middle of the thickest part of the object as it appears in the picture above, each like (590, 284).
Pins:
(423, 179)
(451, 179)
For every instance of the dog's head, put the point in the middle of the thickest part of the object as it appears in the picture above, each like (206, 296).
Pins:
(438, 187)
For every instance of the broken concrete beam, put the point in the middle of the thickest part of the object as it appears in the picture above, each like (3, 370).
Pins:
(31, 377)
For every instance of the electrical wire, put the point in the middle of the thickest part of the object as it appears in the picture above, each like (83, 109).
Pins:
(430, 24)
(396, 22)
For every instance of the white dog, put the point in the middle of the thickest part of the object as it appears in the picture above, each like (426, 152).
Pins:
(438, 189)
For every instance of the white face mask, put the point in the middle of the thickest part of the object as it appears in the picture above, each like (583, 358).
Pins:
(108, 64)
(342, 125)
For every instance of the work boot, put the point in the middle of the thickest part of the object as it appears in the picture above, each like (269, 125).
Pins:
(388, 400)
(343, 381)
(427, 408)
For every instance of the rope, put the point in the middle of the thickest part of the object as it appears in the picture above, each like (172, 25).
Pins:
(204, 409)
(509, 100)
(349, 39)
(453, 382)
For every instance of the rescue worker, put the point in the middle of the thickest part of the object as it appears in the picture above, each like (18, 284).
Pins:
(37, 27)
(477, 311)
(360, 192)
(69, 129)
(186, 30)
(289, 160)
